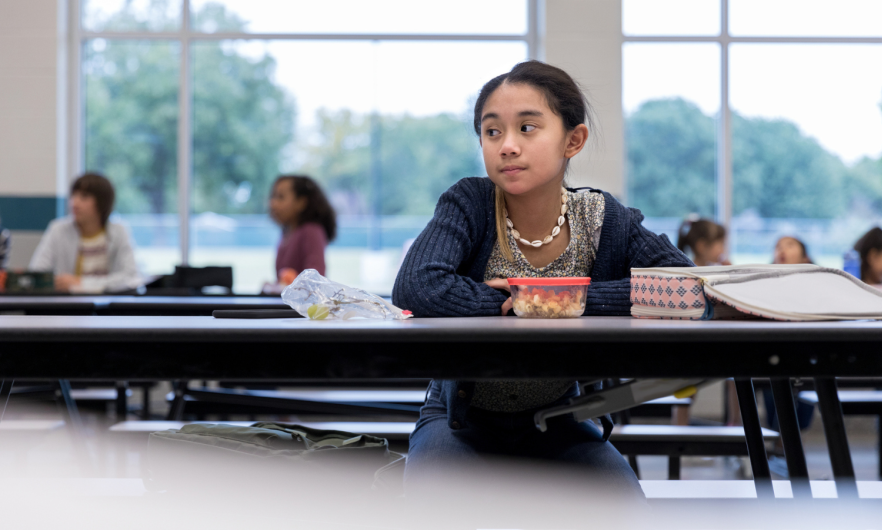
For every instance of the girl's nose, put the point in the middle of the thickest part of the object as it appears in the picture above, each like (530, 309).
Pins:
(510, 146)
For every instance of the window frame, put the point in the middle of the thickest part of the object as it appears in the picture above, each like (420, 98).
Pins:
(185, 36)
(723, 206)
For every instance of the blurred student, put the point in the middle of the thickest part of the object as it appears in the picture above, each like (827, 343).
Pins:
(5, 247)
(791, 251)
(85, 251)
(788, 251)
(702, 240)
(308, 222)
(869, 246)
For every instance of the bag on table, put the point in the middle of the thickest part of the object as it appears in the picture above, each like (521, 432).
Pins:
(780, 292)
(273, 457)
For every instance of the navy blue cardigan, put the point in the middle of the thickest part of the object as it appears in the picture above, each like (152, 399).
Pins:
(443, 272)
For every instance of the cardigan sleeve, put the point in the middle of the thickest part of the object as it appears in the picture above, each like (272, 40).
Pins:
(429, 283)
(627, 244)
(44, 258)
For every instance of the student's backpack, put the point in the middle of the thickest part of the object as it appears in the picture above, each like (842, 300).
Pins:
(277, 457)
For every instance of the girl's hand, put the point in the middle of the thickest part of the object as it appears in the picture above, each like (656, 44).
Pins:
(287, 276)
(506, 306)
(63, 282)
(501, 283)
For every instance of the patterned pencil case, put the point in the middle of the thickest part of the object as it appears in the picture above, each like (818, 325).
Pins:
(779, 292)
(668, 296)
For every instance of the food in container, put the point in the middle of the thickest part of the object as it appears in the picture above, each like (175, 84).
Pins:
(549, 297)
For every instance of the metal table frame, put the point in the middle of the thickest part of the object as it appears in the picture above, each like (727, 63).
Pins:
(178, 348)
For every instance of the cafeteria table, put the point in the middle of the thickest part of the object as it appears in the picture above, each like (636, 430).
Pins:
(127, 305)
(155, 348)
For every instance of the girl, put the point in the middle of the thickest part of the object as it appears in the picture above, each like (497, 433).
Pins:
(869, 246)
(791, 251)
(530, 122)
(703, 240)
(86, 251)
(298, 205)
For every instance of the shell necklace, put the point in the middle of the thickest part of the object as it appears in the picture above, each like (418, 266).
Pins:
(554, 231)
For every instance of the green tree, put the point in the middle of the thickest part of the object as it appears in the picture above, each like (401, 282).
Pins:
(419, 158)
(132, 119)
(777, 170)
(422, 157)
(671, 159)
(864, 187)
(242, 120)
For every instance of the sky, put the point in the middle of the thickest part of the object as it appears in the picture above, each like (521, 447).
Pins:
(832, 92)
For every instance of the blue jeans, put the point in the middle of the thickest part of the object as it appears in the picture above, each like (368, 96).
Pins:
(435, 447)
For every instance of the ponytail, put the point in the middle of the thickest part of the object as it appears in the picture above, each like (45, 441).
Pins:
(695, 229)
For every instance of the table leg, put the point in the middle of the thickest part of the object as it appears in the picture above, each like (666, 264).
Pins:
(176, 411)
(5, 391)
(71, 414)
(837, 442)
(753, 434)
(145, 407)
(674, 467)
(122, 401)
(789, 427)
(632, 461)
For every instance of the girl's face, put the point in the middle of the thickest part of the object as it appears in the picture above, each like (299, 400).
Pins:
(709, 251)
(874, 262)
(525, 144)
(284, 205)
(789, 252)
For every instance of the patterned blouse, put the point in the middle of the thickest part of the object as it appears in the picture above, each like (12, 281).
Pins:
(585, 217)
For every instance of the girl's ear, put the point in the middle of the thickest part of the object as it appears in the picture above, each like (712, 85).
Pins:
(576, 140)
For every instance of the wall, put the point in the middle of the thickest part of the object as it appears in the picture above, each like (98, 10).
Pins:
(584, 37)
(32, 123)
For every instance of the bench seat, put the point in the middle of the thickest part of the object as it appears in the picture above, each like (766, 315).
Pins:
(30, 426)
(389, 430)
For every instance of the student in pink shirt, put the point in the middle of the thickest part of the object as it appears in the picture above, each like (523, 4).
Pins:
(308, 222)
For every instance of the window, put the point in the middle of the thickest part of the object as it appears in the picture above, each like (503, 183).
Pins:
(793, 139)
(373, 103)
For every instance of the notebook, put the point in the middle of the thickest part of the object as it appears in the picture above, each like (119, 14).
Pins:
(779, 292)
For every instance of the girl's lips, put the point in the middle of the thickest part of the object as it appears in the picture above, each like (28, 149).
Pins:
(512, 170)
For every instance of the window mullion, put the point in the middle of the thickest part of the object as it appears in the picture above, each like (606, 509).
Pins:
(185, 142)
(724, 133)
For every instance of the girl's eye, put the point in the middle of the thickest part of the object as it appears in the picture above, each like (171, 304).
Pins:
(527, 128)
(492, 132)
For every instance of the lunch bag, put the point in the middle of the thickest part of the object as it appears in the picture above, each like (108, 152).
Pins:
(271, 456)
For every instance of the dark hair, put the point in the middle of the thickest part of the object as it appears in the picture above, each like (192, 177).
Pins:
(561, 92)
(801, 246)
(318, 209)
(97, 186)
(564, 98)
(695, 229)
(872, 240)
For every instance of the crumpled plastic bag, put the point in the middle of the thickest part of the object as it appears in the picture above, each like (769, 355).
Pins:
(318, 298)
